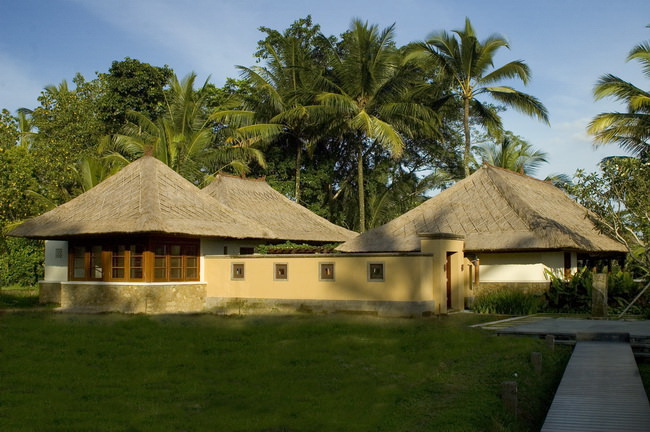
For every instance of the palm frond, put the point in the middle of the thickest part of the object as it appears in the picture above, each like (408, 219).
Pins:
(521, 102)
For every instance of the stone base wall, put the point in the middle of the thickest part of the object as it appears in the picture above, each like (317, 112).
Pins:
(136, 298)
(249, 306)
(49, 292)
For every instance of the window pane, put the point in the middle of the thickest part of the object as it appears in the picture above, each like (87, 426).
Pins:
(96, 262)
(327, 271)
(281, 271)
(376, 271)
(136, 273)
(175, 250)
(238, 271)
(79, 262)
(191, 274)
(175, 273)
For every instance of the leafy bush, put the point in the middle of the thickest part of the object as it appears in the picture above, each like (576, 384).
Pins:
(507, 302)
(21, 261)
(621, 290)
(295, 248)
(572, 295)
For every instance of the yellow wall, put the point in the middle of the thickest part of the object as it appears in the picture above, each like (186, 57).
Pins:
(406, 277)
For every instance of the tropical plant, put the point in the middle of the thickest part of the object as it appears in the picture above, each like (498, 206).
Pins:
(465, 62)
(287, 84)
(368, 100)
(507, 302)
(620, 196)
(569, 295)
(512, 153)
(184, 136)
(631, 129)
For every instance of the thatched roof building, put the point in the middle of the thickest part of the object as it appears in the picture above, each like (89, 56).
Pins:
(255, 199)
(495, 210)
(144, 197)
(148, 197)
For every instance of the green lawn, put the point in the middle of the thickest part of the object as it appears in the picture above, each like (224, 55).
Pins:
(61, 372)
(18, 297)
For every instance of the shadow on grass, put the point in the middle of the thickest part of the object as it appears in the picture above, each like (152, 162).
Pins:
(18, 298)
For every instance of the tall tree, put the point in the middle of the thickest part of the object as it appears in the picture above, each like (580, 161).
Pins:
(368, 101)
(184, 137)
(631, 129)
(295, 62)
(620, 195)
(68, 128)
(131, 85)
(469, 65)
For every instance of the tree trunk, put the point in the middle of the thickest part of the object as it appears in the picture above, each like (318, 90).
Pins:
(468, 149)
(362, 200)
(298, 170)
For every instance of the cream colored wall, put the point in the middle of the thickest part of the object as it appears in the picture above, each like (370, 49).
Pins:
(217, 246)
(56, 261)
(439, 247)
(521, 266)
(406, 277)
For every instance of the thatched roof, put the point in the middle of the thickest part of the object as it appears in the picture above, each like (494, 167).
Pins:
(256, 200)
(144, 197)
(495, 210)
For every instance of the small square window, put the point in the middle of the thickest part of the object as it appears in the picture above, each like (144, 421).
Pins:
(376, 272)
(281, 271)
(326, 271)
(237, 271)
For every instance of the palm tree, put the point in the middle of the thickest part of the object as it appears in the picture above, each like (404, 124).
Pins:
(184, 137)
(287, 85)
(514, 154)
(369, 88)
(469, 65)
(630, 130)
(25, 128)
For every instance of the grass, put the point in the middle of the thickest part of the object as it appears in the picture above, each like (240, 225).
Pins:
(18, 297)
(61, 372)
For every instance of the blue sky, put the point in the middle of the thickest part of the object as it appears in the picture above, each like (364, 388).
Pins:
(568, 44)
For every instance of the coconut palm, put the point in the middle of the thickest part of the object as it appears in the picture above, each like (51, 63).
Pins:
(631, 129)
(286, 85)
(514, 154)
(25, 128)
(184, 136)
(469, 65)
(368, 98)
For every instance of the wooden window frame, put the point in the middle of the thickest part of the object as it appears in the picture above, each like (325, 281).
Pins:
(188, 268)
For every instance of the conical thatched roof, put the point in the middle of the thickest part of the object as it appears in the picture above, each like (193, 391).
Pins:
(495, 210)
(256, 200)
(144, 197)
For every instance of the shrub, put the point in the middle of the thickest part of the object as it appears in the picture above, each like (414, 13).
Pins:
(569, 296)
(21, 261)
(295, 248)
(507, 302)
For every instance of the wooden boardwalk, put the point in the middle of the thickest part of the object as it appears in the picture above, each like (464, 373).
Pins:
(601, 390)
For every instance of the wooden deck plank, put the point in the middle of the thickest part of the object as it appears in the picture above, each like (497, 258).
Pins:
(601, 390)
